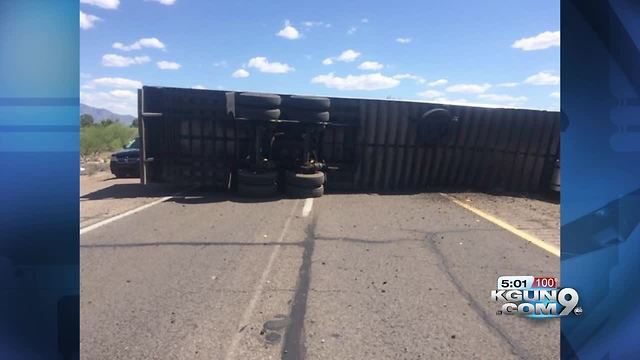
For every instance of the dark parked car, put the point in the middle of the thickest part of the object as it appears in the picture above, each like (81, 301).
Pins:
(126, 162)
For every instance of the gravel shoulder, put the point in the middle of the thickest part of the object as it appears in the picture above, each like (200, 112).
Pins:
(102, 196)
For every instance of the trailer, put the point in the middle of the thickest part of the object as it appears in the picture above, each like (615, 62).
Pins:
(260, 144)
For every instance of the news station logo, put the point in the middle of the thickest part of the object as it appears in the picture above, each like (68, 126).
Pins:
(535, 297)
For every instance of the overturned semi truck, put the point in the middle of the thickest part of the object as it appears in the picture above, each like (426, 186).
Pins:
(260, 144)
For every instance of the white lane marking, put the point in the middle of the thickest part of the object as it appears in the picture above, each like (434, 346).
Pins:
(86, 229)
(308, 205)
(246, 316)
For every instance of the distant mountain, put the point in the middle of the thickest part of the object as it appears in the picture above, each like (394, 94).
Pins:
(103, 114)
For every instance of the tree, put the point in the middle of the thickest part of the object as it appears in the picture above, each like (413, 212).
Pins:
(86, 120)
(107, 122)
(100, 139)
(134, 123)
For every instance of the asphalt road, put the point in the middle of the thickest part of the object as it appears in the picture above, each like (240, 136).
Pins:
(103, 196)
(209, 276)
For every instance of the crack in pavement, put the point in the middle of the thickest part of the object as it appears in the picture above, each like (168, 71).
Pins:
(192, 243)
(398, 240)
(445, 267)
(284, 243)
(293, 345)
(365, 241)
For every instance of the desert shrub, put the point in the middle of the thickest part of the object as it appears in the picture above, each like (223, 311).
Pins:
(107, 137)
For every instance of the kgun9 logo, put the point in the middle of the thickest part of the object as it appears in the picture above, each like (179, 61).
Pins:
(538, 302)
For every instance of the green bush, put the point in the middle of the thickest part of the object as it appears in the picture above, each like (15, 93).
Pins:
(101, 138)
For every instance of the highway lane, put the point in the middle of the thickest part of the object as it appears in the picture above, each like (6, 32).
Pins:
(410, 276)
(361, 276)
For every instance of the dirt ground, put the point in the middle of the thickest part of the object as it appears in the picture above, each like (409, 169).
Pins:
(102, 196)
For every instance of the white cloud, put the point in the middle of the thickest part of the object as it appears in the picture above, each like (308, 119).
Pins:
(541, 41)
(507, 100)
(370, 65)
(105, 4)
(543, 78)
(374, 81)
(430, 94)
(165, 2)
(88, 21)
(311, 24)
(113, 60)
(113, 82)
(222, 63)
(508, 84)
(352, 30)
(364, 20)
(153, 43)
(199, 87)
(123, 94)
(168, 65)
(263, 65)
(117, 101)
(348, 55)
(417, 78)
(240, 73)
(555, 94)
(289, 32)
(120, 97)
(438, 82)
(468, 88)
(465, 102)
(402, 40)
(445, 100)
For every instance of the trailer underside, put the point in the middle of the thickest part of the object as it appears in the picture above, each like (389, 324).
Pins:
(194, 137)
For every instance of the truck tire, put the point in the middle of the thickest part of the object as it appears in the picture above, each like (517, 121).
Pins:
(257, 114)
(257, 190)
(313, 103)
(299, 192)
(258, 100)
(249, 177)
(307, 115)
(307, 181)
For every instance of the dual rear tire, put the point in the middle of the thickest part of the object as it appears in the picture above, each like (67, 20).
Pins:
(258, 106)
(259, 191)
(260, 184)
(303, 193)
(306, 108)
(263, 184)
(300, 185)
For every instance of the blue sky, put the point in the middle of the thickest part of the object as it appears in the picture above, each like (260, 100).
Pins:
(491, 53)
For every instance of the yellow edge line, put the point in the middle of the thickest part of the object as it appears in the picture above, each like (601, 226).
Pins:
(530, 238)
